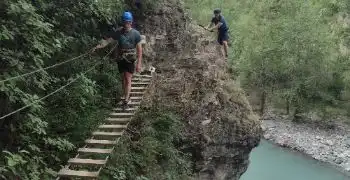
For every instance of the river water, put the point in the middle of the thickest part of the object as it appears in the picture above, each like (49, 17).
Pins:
(271, 162)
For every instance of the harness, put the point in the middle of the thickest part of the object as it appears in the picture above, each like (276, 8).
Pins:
(128, 55)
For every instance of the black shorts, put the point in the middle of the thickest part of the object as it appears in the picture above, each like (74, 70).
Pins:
(124, 66)
(223, 36)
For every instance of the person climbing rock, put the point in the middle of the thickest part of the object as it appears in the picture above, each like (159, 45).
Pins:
(218, 21)
(138, 4)
(129, 50)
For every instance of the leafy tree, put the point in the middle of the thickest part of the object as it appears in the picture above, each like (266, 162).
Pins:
(288, 49)
(36, 34)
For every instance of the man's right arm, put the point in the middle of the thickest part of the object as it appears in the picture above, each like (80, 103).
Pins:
(103, 43)
(210, 25)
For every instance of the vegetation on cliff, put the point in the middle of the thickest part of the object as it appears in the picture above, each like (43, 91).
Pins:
(150, 149)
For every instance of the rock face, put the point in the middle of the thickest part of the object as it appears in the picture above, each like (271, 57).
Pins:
(192, 80)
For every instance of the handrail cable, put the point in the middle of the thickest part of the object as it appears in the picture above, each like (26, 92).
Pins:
(57, 90)
(41, 69)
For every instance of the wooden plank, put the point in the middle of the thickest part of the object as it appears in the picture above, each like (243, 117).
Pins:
(139, 93)
(100, 142)
(107, 133)
(142, 75)
(121, 109)
(138, 88)
(95, 150)
(133, 103)
(116, 126)
(139, 83)
(121, 114)
(86, 161)
(141, 79)
(72, 173)
(136, 98)
(118, 119)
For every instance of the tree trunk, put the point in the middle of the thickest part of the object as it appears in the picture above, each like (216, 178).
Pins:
(262, 103)
(288, 106)
(296, 116)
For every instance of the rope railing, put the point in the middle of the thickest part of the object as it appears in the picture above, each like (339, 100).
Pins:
(59, 89)
(42, 69)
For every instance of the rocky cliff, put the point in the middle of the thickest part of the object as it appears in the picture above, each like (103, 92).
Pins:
(192, 80)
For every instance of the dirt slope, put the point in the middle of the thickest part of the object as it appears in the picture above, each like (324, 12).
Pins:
(193, 81)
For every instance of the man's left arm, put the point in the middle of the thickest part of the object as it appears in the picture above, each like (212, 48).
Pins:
(139, 56)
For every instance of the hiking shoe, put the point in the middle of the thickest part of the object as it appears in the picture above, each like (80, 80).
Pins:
(121, 101)
(126, 104)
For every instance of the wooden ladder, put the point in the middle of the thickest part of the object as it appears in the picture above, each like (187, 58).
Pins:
(91, 158)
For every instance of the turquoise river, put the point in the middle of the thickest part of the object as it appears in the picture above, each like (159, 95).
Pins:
(271, 162)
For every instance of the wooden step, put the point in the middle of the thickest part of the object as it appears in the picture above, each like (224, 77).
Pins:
(117, 126)
(86, 161)
(133, 98)
(95, 150)
(138, 88)
(141, 79)
(99, 142)
(142, 75)
(118, 120)
(134, 103)
(139, 83)
(121, 109)
(97, 133)
(121, 114)
(72, 173)
(136, 98)
(137, 93)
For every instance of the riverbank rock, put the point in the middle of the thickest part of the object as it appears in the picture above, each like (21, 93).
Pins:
(193, 81)
(329, 146)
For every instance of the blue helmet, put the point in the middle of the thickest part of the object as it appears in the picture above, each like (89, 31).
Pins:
(217, 11)
(127, 16)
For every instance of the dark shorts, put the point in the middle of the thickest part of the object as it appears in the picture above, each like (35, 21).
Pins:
(223, 36)
(124, 66)
(138, 5)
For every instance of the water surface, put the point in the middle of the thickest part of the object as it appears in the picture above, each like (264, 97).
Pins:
(271, 162)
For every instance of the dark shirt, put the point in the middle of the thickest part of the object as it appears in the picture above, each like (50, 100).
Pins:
(223, 27)
(126, 40)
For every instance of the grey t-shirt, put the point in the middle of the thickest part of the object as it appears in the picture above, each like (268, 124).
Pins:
(126, 40)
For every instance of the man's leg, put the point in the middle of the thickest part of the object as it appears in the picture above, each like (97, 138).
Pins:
(223, 38)
(123, 85)
(127, 85)
(225, 48)
(129, 70)
(121, 71)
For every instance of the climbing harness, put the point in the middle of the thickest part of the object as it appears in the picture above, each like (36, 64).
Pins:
(128, 55)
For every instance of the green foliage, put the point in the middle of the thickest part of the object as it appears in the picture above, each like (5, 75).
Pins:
(36, 34)
(150, 150)
(288, 49)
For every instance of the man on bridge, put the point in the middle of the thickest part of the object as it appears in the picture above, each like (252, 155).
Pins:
(220, 24)
(129, 51)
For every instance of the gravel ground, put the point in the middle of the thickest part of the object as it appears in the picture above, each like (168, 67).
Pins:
(331, 146)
